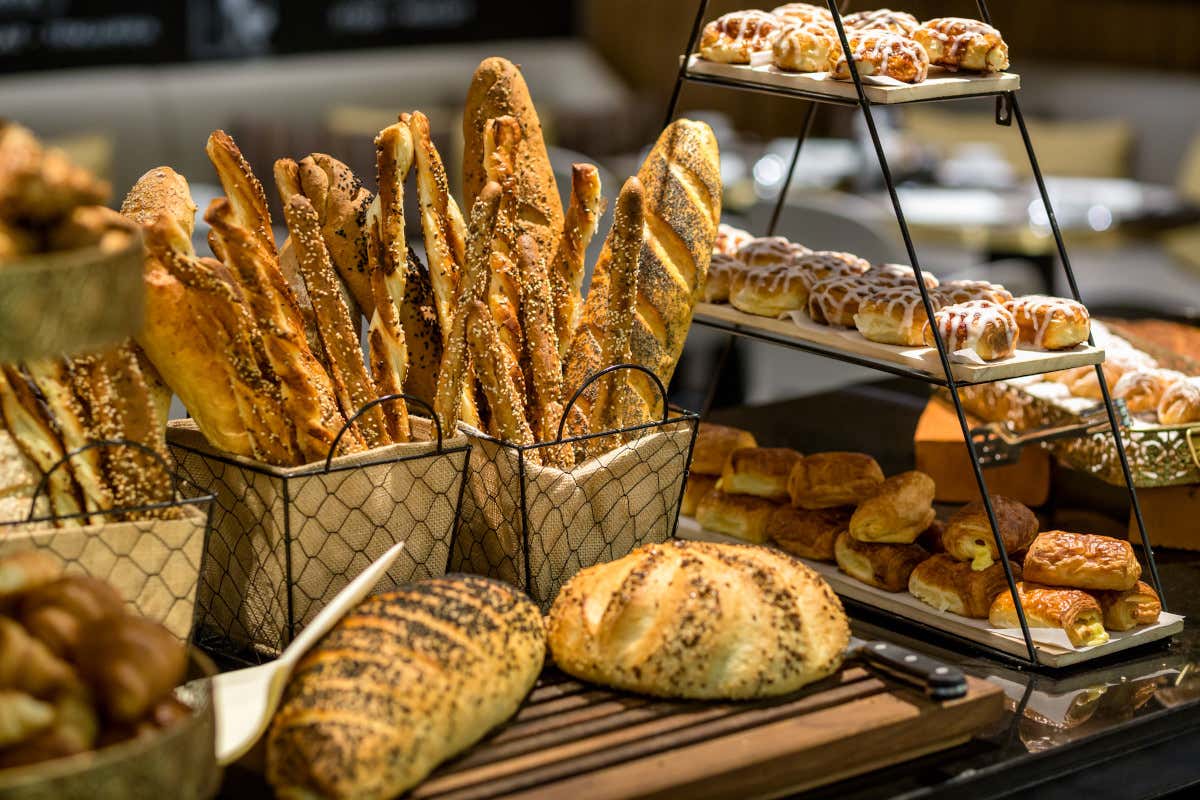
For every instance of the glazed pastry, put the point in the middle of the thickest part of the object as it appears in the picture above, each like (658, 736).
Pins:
(759, 471)
(736, 37)
(1086, 383)
(979, 325)
(1126, 610)
(883, 54)
(835, 301)
(694, 490)
(769, 291)
(894, 315)
(1050, 323)
(742, 516)
(965, 291)
(968, 534)
(951, 585)
(957, 43)
(808, 534)
(806, 47)
(1180, 403)
(884, 19)
(769, 251)
(803, 12)
(699, 620)
(1082, 561)
(884, 275)
(1074, 611)
(821, 265)
(827, 480)
(884, 566)
(730, 239)
(1143, 389)
(714, 443)
(720, 277)
(899, 510)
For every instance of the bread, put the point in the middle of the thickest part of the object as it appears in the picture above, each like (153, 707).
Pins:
(682, 183)
(1050, 323)
(353, 722)
(25, 570)
(742, 516)
(699, 620)
(827, 480)
(584, 208)
(721, 270)
(1086, 383)
(1126, 610)
(1082, 561)
(1143, 389)
(1075, 612)
(805, 47)
(694, 490)
(968, 534)
(769, 251)
(803, 12)
(822, 265)
(884, 19)
(881, 53)
(981, 326)
(729, 239)
(808, 534)
(835, 301)
(131, 663)
(958, 43)
(759, 471)
(739, 36)
(1180, 404)
(495, 372)
(22, 717)
(40, 184)
(422, 334)
(894, 315)
(28, 666)
(545, 402)
(951, 585)
(714, 443)
(768, 291)
(884, 566)
(60, 613)
(898, 511)
(963, 291)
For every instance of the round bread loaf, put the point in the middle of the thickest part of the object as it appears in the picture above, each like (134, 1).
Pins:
(699, 620)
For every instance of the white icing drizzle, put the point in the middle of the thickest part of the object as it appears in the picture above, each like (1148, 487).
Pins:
(770, 250)
(1040, 311)
(803, 12)
(883, 19)
(904, 301)
(885, 53)
(743, 32)
(963, 291)
(835, 301)
(884, 275)
(729, 239)
(721, 270)
(964, 325)
(820, 265)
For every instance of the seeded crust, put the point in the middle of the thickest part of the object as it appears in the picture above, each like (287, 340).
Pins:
(584, 209)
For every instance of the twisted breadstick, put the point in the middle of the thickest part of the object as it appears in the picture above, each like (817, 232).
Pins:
(566, 278)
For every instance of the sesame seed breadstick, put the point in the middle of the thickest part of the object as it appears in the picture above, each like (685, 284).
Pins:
(579, 226)
(495, 368)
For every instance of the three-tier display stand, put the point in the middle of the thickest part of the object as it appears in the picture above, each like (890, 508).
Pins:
(1008, 109)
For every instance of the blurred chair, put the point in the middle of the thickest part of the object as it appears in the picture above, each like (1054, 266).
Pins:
(835, 221)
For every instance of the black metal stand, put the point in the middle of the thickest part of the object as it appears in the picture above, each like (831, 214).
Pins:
(1007, 109)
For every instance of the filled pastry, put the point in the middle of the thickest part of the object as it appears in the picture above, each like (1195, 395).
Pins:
(835, 301)
(1180, 404)
(968, 534)
(982, 326)
(883, 19)
(1126, 610)
(769, 291)
(884, 566)
(948, 584)
(899, 510)
(1143, 389)
(963, 291)
(808, 534)
(721, 270)
(730, 239)
(883, 54)
(714, 443)
(958, 43)
(769, 251)
(806, 47)
(803, 12)
(736, 37)
(884, 275)
(742, 516)
(1072, 610)
(1050, 323)
(895, 315)
(1082, 561)
(828, 480)
(694, 490)
(759, 471)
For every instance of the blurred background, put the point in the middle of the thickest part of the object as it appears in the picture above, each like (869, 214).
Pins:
(1111, 89)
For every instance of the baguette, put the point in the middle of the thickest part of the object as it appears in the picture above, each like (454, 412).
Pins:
(584, 209)
(545, 366)
(495, 370)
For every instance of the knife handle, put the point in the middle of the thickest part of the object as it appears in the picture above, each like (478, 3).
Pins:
(939, 681)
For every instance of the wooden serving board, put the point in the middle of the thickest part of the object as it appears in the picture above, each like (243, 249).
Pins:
(940, 82)
(917, 359)
(571, 741)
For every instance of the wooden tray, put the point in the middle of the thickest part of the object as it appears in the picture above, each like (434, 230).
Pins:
(940, 83)
(922, 360)
(905, 605)
(571, 741)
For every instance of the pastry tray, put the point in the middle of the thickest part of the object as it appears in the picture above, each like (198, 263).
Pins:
(1052, 648)
(799, 330)
(941, 82)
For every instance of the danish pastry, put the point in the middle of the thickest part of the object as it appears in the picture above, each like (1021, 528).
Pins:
(899, 510)
(968, 534)
(769, 291)
(884, 19)
(884, 566)
(979, 325)
(965, 291)
(894, 315)
(1050, 323)
(714, 443)
(806, 47)
(1126, 610)
(720, 274)
(820, 265)
(835, 301)
(951, 585)
(1082, 561)
(729, 239)
(883, 54)
(739, 515)
(759, 471)
(1180, 403)
(958, 43)
(884, 275)
(1085, 382)
(694, 490)
(808, 534)
(1143, 389)
(827, 480)
(1073, 611)
(769, 251)
(803, 12)
(736, 37)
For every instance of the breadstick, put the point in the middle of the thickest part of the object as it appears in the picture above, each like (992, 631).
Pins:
(495, 368)
(579, 226)
(245, 193)
(422, 335)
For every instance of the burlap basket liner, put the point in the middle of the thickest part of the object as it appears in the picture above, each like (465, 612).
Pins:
(284, 541)
(153, 563)
(535, 526)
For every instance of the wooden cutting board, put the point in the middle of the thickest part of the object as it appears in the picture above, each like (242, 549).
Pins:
(575, 741)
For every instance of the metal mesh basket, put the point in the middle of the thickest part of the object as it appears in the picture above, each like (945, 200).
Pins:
(535, 526)
(284, 541)
(151, 554)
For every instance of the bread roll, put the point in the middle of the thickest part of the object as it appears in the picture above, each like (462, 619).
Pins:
(742, 516)
(405, 681)
(827, 480)
(768, 251)
(899, 510)
(894, 315)
(768, 291)
(968, 535)
(696, 488)
(699, 620)
(884, 566)
(1082, 561)
(759, 471)
(1142, 389)
(808, 534)
(951, 585)
(714, 443)
(982, 326)
(964, 291)
(1126, 610)
(883, 19)
(1073, 611)
(721, 270)
(803, 12)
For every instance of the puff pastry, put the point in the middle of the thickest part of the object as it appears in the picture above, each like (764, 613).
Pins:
(1082, 561)
(951, 585)
(806, 47)
(808, 534)
(1180, 404)
(982, 326)
(1126, 610)
(694, 490)
(736, 37)
(899, 510)
(714, 443)
(769, 251)
(828, 480)
(958, 43)
(759, 471)
(769, 291)
(739, 515)
(968, 534)
(1074, 611)
(883, 19)
(1050, 323)
(880, 53)
(884, 566)
(895, 315)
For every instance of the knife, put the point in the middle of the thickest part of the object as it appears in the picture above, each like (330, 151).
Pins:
(939, 681)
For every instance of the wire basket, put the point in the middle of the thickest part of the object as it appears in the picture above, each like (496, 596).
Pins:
(151, 554)
(284, 541)
(535, 526)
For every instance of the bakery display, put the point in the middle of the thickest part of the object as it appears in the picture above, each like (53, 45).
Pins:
(1126, 610)
(968, 44)
(882, 54)
(741, 516)
(1050, 323)
(899, 509)
(407, 680)
(981, 326)
(759, 471)
(1074, 611)
(948, 584)
(1082, 561)
(832, 479)
(882, 565)
(699, 620)
(714, 444)
(968, 533)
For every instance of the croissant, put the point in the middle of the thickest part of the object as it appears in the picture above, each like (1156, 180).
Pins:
(1180, 404)
(132, 663)
(898, 511)
(884, 566)
(1126, 610)
(951, 585)
(59, 613)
